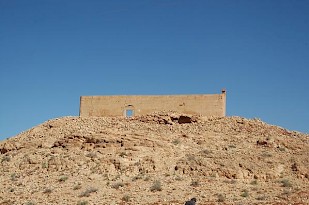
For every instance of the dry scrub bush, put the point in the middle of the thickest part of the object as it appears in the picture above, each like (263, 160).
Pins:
(63, 178)
(82, 203)
(195, 183)
(286, 183)
(14, 177)
(88, 192)
(126, 198)
(221, 198)
(47, 191)
(77, 186)
(156, 186)
(5, 159)
(176, 141)
(245, 193)
(139, 176)
(117, 185)
(254, 182)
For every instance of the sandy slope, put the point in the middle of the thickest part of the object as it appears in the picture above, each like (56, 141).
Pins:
(161, 158)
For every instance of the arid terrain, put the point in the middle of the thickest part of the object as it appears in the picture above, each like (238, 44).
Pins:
(162, 158)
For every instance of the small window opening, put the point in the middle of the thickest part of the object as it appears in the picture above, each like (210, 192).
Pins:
(129, 113)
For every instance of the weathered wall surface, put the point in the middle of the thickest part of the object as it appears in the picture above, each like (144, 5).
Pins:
(97, 106)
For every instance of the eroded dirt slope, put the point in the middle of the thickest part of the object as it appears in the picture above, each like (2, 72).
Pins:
(162, 158)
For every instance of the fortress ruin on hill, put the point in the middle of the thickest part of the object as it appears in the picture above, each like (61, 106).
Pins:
(135, 105)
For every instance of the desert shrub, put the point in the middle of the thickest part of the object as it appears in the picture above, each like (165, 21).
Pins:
(14, 177)
(254, 182)
(47, 191)
(77, 186)
(87, 192)
(122, 154)
(195, 183)
(245, 193)
(91, 155)
(63, 178)
(167, 174)
(286, 183)
(261, 198)
(45, 165)
(139, 176)
(147, 178)
(232, 146)
(221, 198)
(282, 149)
(178, 178)
(29, 203)
(176, 141)
(126, 198)
(190, 157)
(117, 185)
(156, 186)
(206, 152)
(233, 181)
(286, 192)
(116, 177)
(266, 154)
(6, 159)
(82, 203)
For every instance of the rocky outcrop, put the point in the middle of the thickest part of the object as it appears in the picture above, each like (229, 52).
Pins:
(113, 160)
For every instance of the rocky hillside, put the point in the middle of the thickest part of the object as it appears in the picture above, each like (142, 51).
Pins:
(162, 158)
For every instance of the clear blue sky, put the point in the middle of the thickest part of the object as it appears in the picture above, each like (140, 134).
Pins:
(54, 51)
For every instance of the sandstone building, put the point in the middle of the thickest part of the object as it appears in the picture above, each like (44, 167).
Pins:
(134, 105)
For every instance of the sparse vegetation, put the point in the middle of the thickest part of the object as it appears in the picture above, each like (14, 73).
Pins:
(82, 203)
(44, 165)
(261, 198)
(139, 176)
(63, 178)
(191, 157)
(122, 154)
(233, 181)
(286, 183)
(221, 198)
(195, 183)
(206, 152)
(232, 146)
(6, 158)
(29, 203)
(245, 193)
(282, 149)
(176, 141)
(286, 192)
(266, 154)
(147, 178)
(167, 174)
(47, 191)
(77, 186)
(178, 178)
(254, 182)
(14, 177)
(87, 192)
(117, 185)
(156, 186)
(126, 198)
(91, 155)
(116, 177)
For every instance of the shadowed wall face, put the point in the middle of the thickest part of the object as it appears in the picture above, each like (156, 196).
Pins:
(99, 106)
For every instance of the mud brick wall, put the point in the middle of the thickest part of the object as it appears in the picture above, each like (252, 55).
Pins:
(134, 105)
